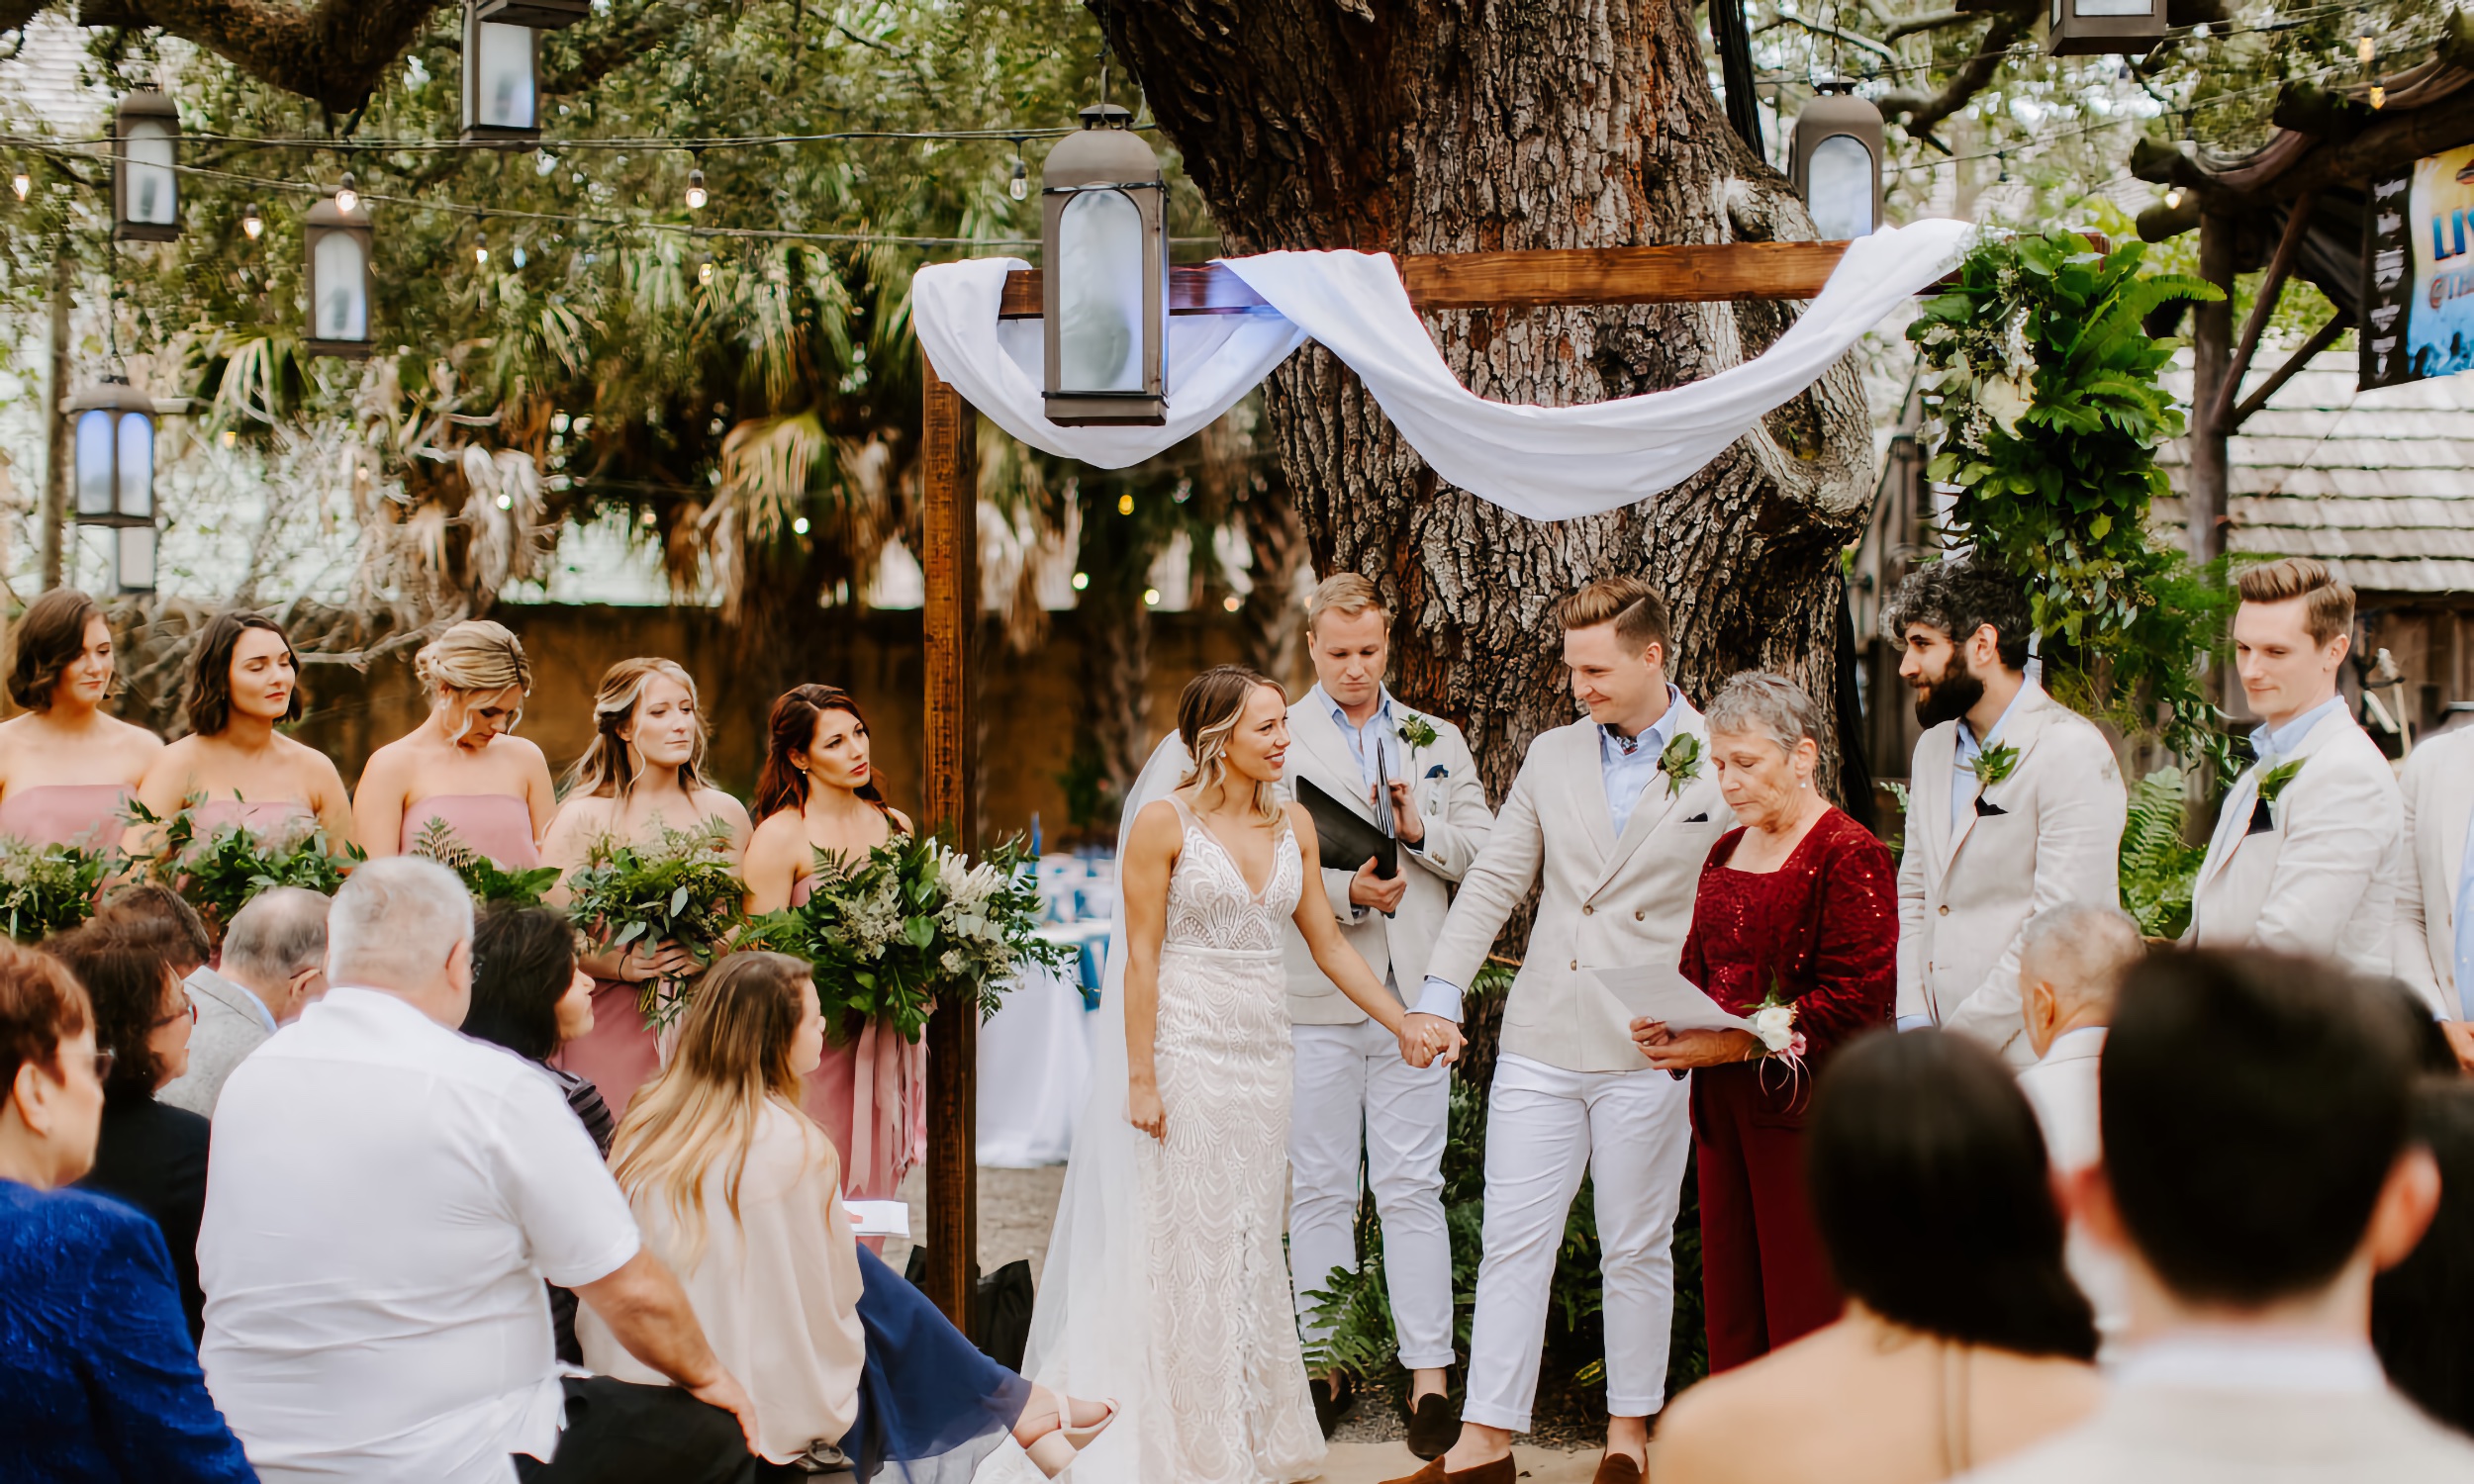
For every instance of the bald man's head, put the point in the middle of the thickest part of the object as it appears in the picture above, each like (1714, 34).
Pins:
(2071, 960)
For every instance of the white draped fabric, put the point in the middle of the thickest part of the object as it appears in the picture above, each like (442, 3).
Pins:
(1548, 463)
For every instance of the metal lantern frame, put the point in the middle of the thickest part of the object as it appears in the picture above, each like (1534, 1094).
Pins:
(1834, 112)
(2098, 28)
(108, 496)
(327, 219)
(145, 109)
(536, 14)
(477, 15)
(1107, 156)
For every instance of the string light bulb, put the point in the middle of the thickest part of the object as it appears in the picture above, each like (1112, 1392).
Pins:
(2363, 49)
(23, 182)
(703, 270)
(799, 526)
(230, 438)
(480, 246)
(2173, 198)
(252, 226)
(697, 195)
(1020, 188)
(1125, 504)
(347, 195)
(2379, 96)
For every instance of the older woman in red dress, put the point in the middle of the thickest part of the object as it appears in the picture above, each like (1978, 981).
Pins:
(1799, 907)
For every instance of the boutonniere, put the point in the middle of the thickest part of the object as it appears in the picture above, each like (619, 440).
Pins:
(1416, 731)
(1993, 764)
(2272, 780)
(1680, 762)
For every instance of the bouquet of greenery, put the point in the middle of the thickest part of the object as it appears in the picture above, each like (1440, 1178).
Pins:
(481, 876)
(682, 890)
(220, 873)
(912, 922)
(49, 889)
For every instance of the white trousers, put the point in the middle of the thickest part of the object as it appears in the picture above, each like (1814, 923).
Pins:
(1631, 1131)
(1351, 1083)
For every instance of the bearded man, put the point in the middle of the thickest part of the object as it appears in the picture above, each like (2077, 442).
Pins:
(2025, 790)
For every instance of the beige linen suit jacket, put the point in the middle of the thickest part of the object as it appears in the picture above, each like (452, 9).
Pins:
(2322, 879)
(1964, 894)
(228, 1029)
(2160, 1434)
(2438, 791)
(1607, 902)
(1453, 808)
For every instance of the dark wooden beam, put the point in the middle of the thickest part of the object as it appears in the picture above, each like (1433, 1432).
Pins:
(2321, 339)
(1691, 274)
(2271, 289)
(950, 559)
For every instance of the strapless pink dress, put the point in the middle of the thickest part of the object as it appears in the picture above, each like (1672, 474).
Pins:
(870, 1096)
(619, 1054)
(85, 814)
(497, 825)
(259, 816)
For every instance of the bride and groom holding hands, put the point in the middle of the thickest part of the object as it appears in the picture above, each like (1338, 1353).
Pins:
(1268, 1010)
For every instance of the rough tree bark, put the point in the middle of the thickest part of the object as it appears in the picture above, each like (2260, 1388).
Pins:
(1442, 125)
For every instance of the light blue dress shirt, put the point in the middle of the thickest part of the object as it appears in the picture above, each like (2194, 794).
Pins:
(1962, 779)
(1378, 727)
(2275, 744)
(1631, 767)
(266, 1017)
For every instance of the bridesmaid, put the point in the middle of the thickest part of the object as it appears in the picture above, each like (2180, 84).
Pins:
(817, 793)
(65, 766)
(464, 764)
(243, 683)
(643, 773)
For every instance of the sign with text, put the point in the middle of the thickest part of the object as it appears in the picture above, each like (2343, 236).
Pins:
(2418, 288)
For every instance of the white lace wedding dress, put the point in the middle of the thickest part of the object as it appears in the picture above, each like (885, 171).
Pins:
(1166, 1287)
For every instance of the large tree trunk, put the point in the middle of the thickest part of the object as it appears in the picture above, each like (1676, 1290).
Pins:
(1441, 126)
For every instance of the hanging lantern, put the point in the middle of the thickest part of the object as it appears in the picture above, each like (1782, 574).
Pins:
(340, 283)
(111, 437)
(146, 190)
(1835, 161)
(1104, 234)
(501, 79)
(2092, 28)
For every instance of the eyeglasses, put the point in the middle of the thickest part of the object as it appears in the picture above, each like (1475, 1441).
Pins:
(104, 1057)
(188, 1009)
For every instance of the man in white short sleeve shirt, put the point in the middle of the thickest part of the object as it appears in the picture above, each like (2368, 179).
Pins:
(384, 1201)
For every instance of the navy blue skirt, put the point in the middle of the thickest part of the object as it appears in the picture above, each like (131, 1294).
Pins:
(929, 1402)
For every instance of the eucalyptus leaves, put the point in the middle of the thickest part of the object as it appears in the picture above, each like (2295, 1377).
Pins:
(2047, 414)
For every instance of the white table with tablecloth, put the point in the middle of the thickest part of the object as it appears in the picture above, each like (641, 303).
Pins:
(1035, 1056)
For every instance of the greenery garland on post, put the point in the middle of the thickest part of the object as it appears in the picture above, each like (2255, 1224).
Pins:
(2046, 415)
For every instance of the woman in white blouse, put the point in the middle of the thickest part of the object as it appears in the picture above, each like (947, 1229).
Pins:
(740, 1193)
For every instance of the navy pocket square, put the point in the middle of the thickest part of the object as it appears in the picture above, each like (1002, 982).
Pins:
(2261, 821)
(1987, 808)
(1700, 818)
(1438, 770)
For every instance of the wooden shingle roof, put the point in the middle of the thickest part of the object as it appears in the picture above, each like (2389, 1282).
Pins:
(2378, 484)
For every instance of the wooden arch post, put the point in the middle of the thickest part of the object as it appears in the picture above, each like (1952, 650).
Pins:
(950, 618)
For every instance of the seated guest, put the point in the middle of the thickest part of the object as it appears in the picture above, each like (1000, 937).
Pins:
(2259, 1167)
(99, 1378)
(528, 995)
(2071, 960)
(736, 1188)
(175, 925)
(2423, 1308)
(386, 1198)
(274, 963)
(151, 1155)
(1963, 1340)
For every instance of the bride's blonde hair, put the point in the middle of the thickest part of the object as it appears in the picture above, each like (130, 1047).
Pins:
(1208, 711)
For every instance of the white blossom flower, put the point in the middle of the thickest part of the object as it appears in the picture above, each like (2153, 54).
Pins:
(1775, 1026)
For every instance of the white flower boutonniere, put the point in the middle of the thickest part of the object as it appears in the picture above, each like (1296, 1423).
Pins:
(1416, 730)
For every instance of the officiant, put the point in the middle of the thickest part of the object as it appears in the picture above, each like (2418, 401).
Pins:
(1416, 818)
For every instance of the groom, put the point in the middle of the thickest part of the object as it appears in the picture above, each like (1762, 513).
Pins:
(1359, 745)
(1617, 812)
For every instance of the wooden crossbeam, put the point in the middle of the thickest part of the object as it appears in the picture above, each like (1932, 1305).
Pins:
(1691, 274)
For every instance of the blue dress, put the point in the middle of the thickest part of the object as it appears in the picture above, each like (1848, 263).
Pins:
(929, 1402)
(100, 1379)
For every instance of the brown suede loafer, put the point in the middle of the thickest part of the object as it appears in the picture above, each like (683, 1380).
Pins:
(1501, 1472)
(1617, 1468)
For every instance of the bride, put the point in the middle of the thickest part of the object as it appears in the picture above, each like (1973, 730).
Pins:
(1165, 1286)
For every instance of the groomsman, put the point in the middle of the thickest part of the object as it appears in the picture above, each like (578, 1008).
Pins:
(2305, 857)
(1414, 772)
(1617, 813)
(2015, 803)
(2434, 943)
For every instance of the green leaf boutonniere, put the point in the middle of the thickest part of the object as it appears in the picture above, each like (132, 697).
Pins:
(2272, 780)
(1680, 762)
(1992, 765)
(1416, 730)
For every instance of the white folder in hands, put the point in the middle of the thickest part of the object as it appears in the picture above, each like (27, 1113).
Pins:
(879, 1218)
(1657, 992)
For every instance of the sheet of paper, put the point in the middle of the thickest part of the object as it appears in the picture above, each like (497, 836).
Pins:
(879, 1218)
(1648, 992)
